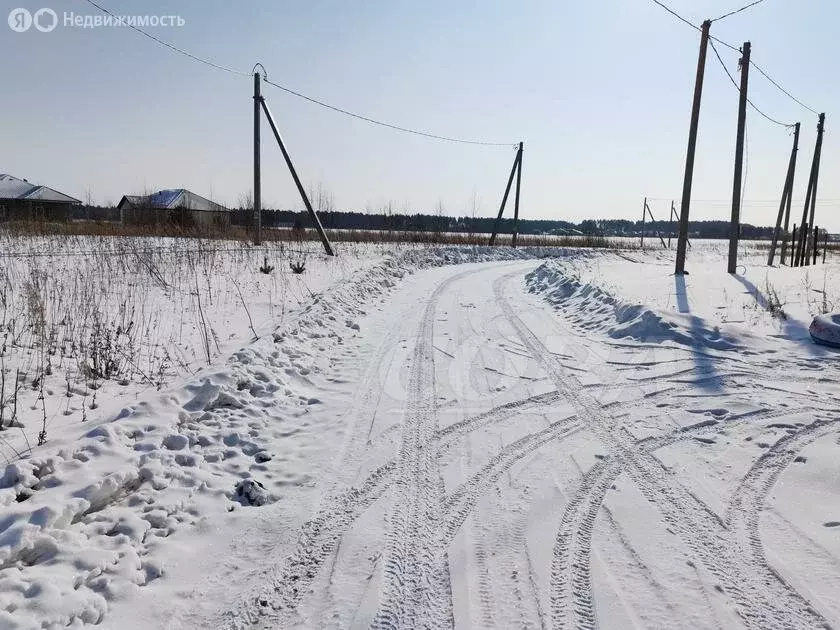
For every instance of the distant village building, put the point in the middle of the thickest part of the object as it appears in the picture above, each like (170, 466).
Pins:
(22, 201)
(178, 207)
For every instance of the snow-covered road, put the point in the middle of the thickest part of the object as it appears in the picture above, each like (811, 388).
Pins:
(503, 468)
(580, 442)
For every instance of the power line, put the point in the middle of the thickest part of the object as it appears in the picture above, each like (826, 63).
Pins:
(736, 49)
(425, 134)
(737, 87)
(726, 15)
(783, 90)
(676, 15)
(694, 26)
(168, 45)
(300, 95)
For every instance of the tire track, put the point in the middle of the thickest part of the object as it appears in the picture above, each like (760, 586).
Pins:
(462, 501)
(744, 512)
(416, 589)
(320, 536)
(697, 526)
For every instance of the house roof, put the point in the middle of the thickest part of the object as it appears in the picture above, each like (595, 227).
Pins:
(173, 198)
(14, 188)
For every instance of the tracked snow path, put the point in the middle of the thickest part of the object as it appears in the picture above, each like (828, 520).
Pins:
(502, 468)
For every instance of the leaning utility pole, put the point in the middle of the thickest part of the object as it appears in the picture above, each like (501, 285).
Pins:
(516, 198)
(692, 143)
(671, 224)
(810, 195)
(513, 172)
(735, 221)
(257, 208)
(787, 196)
(313, 216)
(817, 156)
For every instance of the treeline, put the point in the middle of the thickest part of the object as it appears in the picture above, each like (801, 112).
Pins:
(483, 225)
(418, 222)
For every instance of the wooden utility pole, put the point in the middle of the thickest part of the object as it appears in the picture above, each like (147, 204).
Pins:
(316, 221)
(816, 242)
(735, 221)
(817, 156)
(516, 198)
(257, 200)
(644, 215)
(803, 242)
(505, 196)
(670, 225)
(692, 144)
(810, 195)
(653, 224)
(784, 206)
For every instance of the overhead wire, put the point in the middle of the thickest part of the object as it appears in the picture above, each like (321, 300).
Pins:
(736, 49)
(737, 87)
(694, 26)
(373, 121)
(168, 45)
(781, 89)
(334, 108)
(744, 8)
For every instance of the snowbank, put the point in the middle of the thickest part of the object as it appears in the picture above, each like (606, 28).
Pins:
(592, 309)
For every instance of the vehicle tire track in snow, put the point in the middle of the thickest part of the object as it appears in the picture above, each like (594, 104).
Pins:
(416, 591)
(699, 527)
(320, 536)
(461, 502)
(572, 603)
(318, 539)
(744, 513)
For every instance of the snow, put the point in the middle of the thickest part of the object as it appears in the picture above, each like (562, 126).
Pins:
(470, 437)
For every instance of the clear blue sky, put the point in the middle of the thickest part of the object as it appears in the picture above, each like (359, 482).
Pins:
(599, 91)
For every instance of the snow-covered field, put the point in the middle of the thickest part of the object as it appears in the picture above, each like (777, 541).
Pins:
(423, 437)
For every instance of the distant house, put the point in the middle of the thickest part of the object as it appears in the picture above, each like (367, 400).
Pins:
(177, 207)
(22, 201)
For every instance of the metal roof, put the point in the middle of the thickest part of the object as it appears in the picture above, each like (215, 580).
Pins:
(174, 198)
(14, 188)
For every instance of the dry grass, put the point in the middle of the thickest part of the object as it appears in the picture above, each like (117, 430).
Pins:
(278, 235)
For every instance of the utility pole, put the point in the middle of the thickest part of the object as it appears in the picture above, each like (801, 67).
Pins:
(692, 144)
(735, 221)
(670, 225)
(505, 196)
(313, 216)
(810, 195)
(803, 238)
(257, 206)
(644, 214)
(784, 206)
(516, 198)
(817, 156)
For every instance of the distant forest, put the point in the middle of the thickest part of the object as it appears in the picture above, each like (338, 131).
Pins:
(340, 220)
(477, 225)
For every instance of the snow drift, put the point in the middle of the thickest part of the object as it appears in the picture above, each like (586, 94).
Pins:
(592, 309)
